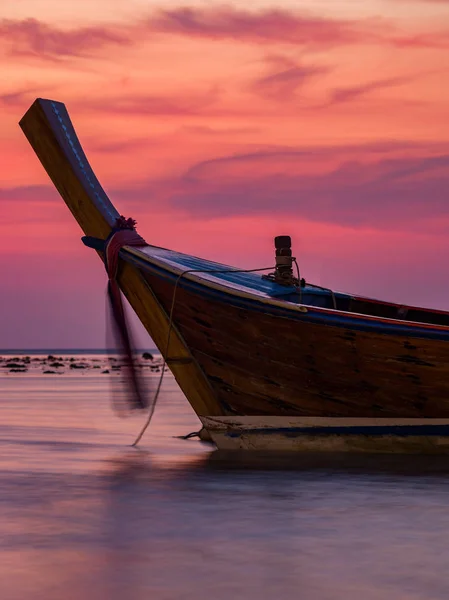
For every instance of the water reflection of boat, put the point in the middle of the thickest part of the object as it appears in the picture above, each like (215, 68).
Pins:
(267, 362)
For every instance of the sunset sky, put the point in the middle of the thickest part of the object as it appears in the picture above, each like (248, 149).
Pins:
(217, 126)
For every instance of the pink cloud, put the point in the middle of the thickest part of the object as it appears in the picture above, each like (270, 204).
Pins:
(153, 104)
(348, 94)
(286, 27)
(28, 206)
(381, 185)
(383, 192)
(119, 147)
(257, 27)
(426, 1)
(17, 97)
(29, 193)
(438, 40)
(31, 37)
(35, 38)
(124, 103)
(284, 84)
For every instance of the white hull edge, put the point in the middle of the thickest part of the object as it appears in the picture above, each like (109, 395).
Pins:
(329, 434)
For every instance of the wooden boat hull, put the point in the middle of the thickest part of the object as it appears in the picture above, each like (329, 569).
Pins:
(259, 363)
(245, 358)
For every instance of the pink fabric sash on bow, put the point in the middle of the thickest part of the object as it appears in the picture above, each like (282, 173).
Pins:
(123, 234)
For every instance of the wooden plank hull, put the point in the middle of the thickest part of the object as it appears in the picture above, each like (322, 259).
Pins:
(260, 364)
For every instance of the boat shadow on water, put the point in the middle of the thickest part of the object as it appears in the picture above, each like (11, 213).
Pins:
(139, 464)
(420, 465)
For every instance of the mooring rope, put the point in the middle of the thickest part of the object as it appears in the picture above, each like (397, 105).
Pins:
(170, 327)
(124, 234)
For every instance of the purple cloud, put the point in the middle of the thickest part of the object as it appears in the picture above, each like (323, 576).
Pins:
(389, 193)
(35, 38)
(348, 94)
(438, 40)
(370, 186)
(152, 104)
(14, 98)
(27, 193)
(20, 99)
(121, 146)
(31, 37)
(285, 27)
(258, 27)
(284, 84)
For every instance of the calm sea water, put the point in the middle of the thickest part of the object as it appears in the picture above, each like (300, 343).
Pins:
(83, 515)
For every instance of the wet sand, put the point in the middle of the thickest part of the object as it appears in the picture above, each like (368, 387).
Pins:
(84, 515)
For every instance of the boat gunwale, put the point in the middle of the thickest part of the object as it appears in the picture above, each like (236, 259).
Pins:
(309, 313)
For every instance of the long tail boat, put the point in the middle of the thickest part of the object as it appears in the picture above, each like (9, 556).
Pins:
(267, 361)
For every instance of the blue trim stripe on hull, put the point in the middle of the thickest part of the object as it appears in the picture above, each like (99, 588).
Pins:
(364, 430)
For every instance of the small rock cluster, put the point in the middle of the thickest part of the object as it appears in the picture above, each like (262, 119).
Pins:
(58, 365)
